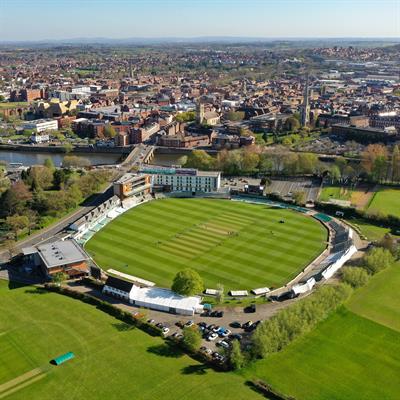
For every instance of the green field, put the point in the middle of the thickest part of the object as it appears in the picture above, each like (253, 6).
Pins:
(380, 300)
(371, 232)
(242, 246)
(354, 354)
(111, 361)
(334, 192)
(386, 201)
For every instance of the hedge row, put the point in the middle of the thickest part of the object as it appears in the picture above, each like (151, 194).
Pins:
(277, 332)
(268, 391)
(108, 308)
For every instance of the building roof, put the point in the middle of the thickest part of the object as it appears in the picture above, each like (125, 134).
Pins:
(61, 252)
(120, 284)
(154, 297)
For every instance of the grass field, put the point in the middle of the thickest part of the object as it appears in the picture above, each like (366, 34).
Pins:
(334, 192)
(371, 232)
(359, 197)
(386, 201)
(354, 355)
(380, 300)
(242, 246)
(111, 361)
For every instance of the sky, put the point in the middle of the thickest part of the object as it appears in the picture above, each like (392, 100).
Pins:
(66, 19)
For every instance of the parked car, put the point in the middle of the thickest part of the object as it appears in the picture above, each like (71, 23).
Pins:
(235, 324)
(177, 335)
(180, 324)
(247, 324)
(216, 328)
(236, 336)
(224, 344)
(189, 324)
(205, 350)
(150, 321)
(250, 309)
(212, 336)
(165, 330)
(223, 332)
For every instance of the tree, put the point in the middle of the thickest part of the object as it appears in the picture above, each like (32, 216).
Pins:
(374, 161)
(191, 338)
(11, 246)
(354, 276)
(75, 161)
(299, 198)
(388, 243)
(68, 147)
(235, 115)
(335, 174)
(396, 164)
(59, 277)
(109, 131)
(250, 160)
(307, 163)
(187, 282)
(236, 358)
(17, 223)
(48, 162)
(199, 159)
(220, 293)
(378, 259)
(15, 199)
(40, 177)
(186, 116)
(292, 124)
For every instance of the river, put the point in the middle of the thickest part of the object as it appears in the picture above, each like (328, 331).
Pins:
(28, 158)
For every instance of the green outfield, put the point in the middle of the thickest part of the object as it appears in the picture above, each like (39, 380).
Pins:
(380, 300)
(353, 355)
(240, 245)
(111, 361)
(386, 201)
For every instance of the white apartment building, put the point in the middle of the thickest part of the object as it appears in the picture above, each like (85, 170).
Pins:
(184, 179)
(40, 138)
(41, 125)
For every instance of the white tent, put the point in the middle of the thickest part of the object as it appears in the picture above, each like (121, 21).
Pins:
(164, 300)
